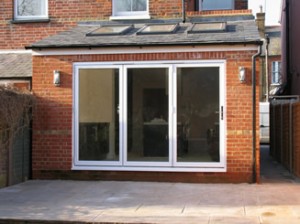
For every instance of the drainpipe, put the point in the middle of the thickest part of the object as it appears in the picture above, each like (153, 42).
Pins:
(288, 50)
(254, 165)
(267, 40)
(183, 11)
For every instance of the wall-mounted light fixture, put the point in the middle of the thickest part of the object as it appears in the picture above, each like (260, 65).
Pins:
(242, 74)
(56, 78)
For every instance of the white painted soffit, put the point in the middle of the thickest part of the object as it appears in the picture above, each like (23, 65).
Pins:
(15, 51)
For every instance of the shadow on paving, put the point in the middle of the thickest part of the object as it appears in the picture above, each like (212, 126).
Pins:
(271, 171)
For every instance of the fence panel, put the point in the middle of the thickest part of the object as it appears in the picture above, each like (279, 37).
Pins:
(285, 132)
(296, 139)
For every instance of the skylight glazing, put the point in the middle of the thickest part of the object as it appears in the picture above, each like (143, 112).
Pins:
(208, 27)
(158, 29)
(110, 30)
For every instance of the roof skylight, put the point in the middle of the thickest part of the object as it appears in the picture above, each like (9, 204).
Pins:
(158, 29)
(110, 30)
(208, 27)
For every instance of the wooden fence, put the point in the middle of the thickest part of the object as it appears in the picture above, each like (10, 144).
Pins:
(285, 132)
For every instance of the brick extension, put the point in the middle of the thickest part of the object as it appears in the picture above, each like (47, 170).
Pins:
(52, 126)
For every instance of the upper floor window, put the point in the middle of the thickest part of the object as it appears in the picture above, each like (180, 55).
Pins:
(276, 72)
(31, 9)
(216, 4)
(123, 9)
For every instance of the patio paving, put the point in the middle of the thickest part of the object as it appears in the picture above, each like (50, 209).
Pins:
(275, 200)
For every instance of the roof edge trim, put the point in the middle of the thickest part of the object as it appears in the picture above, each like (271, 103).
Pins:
(146, 49)
(36, 47)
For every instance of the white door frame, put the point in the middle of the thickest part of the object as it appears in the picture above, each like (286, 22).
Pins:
(172, 164)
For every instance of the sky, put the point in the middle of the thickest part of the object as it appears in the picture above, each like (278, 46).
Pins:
(272, 8)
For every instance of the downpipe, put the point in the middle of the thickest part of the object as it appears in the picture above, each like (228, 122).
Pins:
(183, 11)
(254, 165)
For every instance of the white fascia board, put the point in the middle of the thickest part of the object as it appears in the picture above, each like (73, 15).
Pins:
(143, 50)
(15, 51)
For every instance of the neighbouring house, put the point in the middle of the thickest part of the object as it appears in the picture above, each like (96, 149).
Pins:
(290, 46)
(16, 69)
(146, 91)
(285, 106)
(270, 70)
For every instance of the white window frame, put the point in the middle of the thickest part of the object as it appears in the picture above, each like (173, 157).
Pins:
(129, 15)
(171, 165)
(31, 17)
(276, 74)
(201, 8)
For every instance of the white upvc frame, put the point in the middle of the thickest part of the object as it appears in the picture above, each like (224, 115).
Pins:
(124, 15)
(76, 69)
(145, 163)
(172, 165)
(44, 4)
(222, 97)
(276, 72)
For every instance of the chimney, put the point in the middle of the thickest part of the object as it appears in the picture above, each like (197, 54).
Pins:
(260, 22)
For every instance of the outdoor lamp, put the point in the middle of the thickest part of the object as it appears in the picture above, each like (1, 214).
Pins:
(56, 77)
(242, 74)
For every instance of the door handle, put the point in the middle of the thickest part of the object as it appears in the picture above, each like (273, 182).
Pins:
(222, 113)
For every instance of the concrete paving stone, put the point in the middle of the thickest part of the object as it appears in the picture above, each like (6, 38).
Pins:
(159, 210)
(214, 211)
(274, 201)
(234, 220)
(154, 219)
(270, 211)
(296, 210)
(286, 220)
(222, 199)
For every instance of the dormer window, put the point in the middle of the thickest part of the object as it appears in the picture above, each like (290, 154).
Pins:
(30, 9)
(216, 4)
(130, 9)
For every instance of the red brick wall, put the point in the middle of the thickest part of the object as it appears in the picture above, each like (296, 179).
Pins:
(241, 4)
(64, 14)
(52, 125)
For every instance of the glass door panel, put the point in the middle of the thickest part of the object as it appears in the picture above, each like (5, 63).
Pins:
(147, 115)
(98, 115)
(198, 104)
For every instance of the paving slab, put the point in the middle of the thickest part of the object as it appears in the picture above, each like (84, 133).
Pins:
(275, 200)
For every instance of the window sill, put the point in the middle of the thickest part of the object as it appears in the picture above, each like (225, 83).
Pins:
(16, 21)
(129, 17)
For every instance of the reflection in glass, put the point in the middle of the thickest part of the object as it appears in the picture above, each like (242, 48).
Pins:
(198, 115)
(148, 114)
(31, 7)
(130, 5)
(98, 115)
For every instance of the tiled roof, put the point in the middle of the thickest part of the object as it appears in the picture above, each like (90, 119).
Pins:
(15, 65)
(243, 31)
